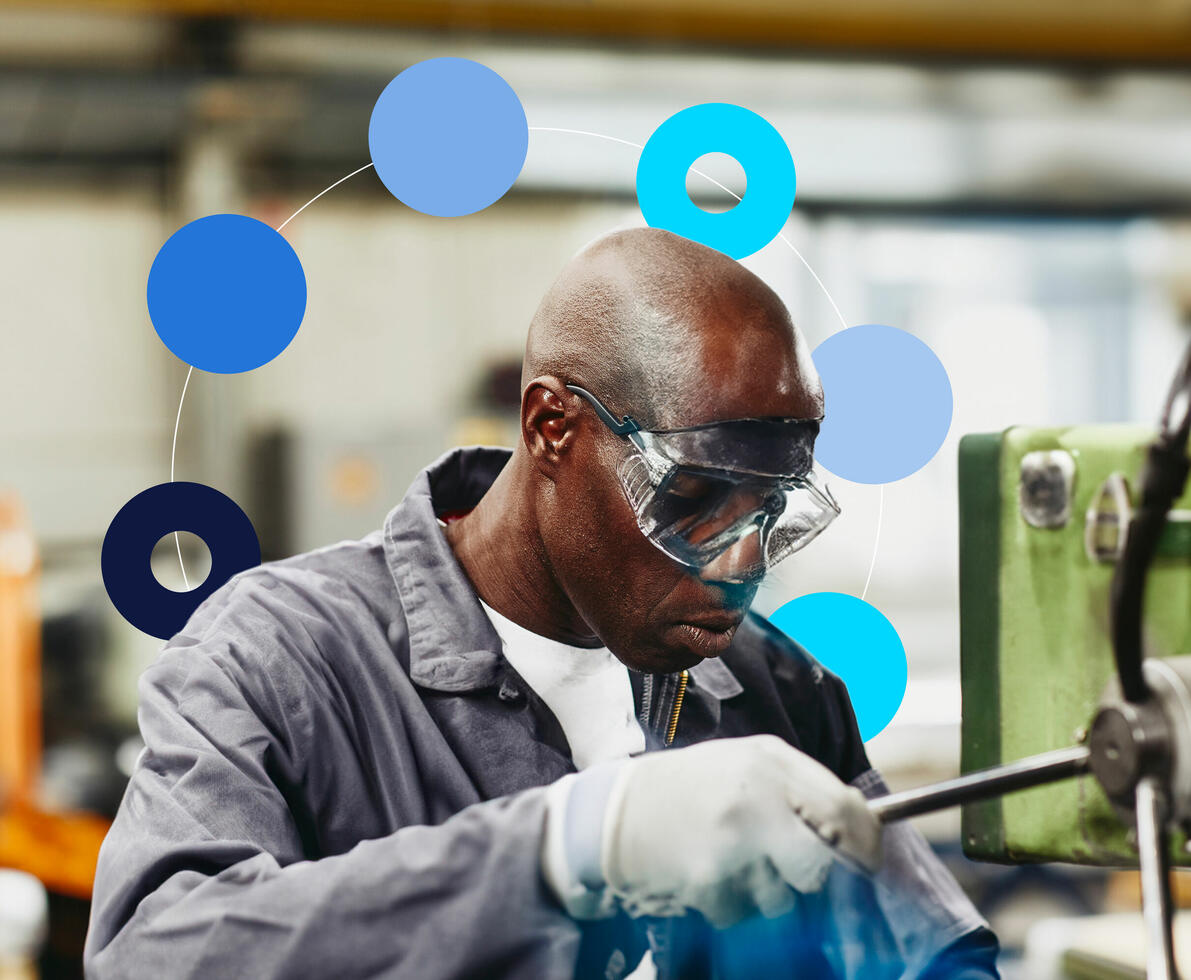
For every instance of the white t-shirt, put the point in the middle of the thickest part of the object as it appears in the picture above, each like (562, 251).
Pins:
(589, 693)
(587, 689)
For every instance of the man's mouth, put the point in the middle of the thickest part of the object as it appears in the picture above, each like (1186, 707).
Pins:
(709, 636)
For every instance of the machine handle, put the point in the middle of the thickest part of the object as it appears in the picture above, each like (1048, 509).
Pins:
(1035, 770)
(1153, 851)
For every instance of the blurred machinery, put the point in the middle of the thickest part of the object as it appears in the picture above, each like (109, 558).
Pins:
(23, 921)
(57, 849)
(20, 657)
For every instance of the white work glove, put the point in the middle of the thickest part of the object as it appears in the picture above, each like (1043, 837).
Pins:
(727, 827)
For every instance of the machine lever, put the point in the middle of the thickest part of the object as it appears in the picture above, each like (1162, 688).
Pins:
(1152, 812)
(1035, 770)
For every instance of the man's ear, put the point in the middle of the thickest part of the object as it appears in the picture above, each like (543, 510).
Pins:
(547, 428)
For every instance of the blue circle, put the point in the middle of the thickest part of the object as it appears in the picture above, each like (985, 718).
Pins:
(854, 641)
(448, 137)
(226, 293)
(142, 522)
(717, 127)
(888, 405)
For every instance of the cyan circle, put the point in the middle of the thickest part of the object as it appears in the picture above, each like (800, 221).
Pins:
(140, 524)
(752, 142)
(889, 404)
(226, 293)
(448, 137)
(854, 641)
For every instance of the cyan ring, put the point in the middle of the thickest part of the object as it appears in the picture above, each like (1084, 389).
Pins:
(717, 127)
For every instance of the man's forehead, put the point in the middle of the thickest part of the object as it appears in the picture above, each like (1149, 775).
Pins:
(743, 377)
(758, 405)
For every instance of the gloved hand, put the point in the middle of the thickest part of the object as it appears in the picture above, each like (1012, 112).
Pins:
(727, 827)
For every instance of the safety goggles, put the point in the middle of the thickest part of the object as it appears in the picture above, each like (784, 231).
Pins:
(742, 484)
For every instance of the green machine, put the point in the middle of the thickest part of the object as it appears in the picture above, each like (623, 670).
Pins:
(1075, 628)
(1043, 519)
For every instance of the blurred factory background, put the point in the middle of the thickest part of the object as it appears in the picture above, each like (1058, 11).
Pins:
(1009, 181)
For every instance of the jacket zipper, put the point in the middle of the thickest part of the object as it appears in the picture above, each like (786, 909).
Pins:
(673, 727)
(661, 702)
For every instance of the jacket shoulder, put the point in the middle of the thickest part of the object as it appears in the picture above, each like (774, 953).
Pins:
(300, 623)
(814, 700)
(785, 659)
(333, 585)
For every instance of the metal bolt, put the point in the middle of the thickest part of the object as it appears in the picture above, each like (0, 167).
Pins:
(1080, 734)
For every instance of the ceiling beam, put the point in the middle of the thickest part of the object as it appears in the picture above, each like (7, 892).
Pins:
(1154, 32)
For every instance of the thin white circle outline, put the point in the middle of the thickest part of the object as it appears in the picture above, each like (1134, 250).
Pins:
(576, 132)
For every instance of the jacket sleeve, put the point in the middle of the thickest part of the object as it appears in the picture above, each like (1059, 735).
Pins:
(204, 872)
(933, 925)
(936, 928)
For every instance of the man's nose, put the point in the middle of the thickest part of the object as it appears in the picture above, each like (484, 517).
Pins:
(741, 563)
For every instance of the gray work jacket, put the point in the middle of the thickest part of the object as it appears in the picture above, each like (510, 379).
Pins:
(343, 778)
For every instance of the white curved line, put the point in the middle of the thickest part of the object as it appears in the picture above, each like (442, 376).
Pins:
(174, 449)
(321, 193)
(173, 454)
(584, 132)
(876, 542)
(843, 322)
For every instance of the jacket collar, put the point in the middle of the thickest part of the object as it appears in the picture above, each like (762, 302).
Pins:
(452, 645)
(716, 679)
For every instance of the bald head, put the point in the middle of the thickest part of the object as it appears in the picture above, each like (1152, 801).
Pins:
(671, 332)
(674, 334)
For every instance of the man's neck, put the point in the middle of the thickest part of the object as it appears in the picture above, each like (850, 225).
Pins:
(501, 550)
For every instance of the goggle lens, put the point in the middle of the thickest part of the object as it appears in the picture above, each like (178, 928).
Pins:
(695, 515)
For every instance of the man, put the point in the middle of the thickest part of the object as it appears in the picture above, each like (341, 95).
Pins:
(409, 755)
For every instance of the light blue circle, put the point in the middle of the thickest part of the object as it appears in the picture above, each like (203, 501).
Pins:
(717, 127)
(854, 641)
(448, 137)
(226, 293)
(888, 404)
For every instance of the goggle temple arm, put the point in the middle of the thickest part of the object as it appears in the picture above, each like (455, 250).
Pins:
(627, 428)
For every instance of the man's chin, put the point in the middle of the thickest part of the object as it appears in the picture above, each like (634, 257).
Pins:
(677, 650)
(675, 662)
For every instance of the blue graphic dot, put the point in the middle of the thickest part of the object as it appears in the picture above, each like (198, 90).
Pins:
(746, 137)
(226, 293)
(448, 137)
(854, 641)
(888, 404)
(142, 522)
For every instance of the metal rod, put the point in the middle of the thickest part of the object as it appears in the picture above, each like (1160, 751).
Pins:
(1154, 859)
(1036, 770)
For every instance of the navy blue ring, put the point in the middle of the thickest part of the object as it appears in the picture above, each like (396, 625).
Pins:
(146, 519)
